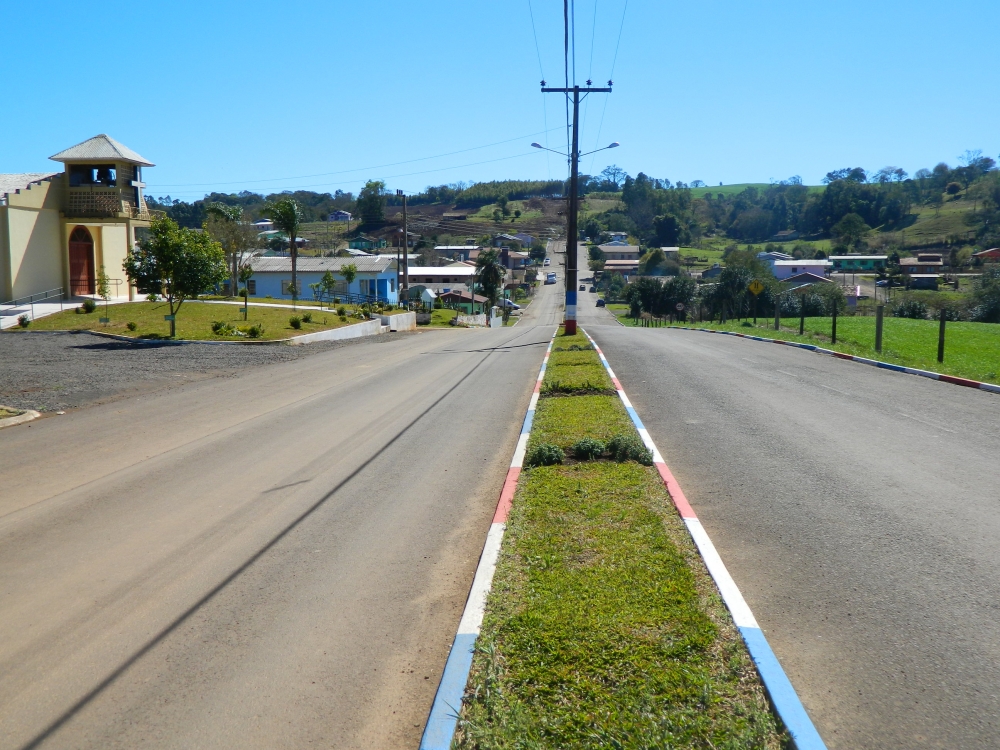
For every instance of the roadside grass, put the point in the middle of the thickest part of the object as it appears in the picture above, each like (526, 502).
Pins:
(194, 321)
(442, 317)
(972, 350)
(603, 628)
(574, 378)
(4, 413)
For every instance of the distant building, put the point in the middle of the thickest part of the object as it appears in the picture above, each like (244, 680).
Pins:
(626, 267)
(264, 225)
(364, 242)
(713, 272)
(923, 281)
(786, 235)
(620, 251)
(989, 255)
(461, 252)
(805, 279)
(925, 263)
(785, 269)
(340, 216)
(857, 263)
(463, 301)
(442, 279)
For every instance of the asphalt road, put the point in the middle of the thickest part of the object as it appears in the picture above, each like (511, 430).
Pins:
(858, 511)
(275, 559)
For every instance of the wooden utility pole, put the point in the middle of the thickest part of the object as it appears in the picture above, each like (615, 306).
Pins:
(404, 284)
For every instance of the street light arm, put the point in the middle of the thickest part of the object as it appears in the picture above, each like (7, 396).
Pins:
(543, 148)
(613, 145)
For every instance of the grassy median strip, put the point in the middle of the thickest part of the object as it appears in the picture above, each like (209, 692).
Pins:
(603, 628)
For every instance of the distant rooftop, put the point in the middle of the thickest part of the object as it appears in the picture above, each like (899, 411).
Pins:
(101, 148)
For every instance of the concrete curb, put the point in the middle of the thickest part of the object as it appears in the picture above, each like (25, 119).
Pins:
(25, 416)
(345, 332)
(443, 718)
(779, 688)
(991, 387)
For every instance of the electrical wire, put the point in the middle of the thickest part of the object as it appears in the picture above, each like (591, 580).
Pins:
(359, 169)
(545, 106)
(610, 78)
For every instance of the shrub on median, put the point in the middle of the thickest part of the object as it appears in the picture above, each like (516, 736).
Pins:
(544, 454)
(625, 447)
(587, 449)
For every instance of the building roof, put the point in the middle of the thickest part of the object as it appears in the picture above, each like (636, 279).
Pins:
(460, 297)
(366, 264)
(991, 252)
(670, 249)
(859, 257)
(458, 270)
(924, 276)
(808, 278)
(101, 148)
(458, 247)
(920, 262)
(803, 262)
(11, 183)
(613, 264)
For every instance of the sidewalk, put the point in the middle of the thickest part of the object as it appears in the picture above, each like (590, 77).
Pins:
(9, 315)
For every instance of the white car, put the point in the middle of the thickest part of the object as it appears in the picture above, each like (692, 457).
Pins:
(548, 262)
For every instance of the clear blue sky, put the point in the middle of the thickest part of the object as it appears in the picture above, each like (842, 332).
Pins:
(321, 95)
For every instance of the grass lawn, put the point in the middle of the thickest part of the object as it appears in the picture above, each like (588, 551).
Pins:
(194, 321)
(972, 350)
(4, 413)
(442, 317)
(603, 629)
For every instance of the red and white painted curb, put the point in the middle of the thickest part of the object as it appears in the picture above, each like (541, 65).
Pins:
(991, 387)
(443, 719)
(783, 696)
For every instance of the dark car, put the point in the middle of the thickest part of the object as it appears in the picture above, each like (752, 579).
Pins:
(593, 289)
(583, 288)
(600, 303)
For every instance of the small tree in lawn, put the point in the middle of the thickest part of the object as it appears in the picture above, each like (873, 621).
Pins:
(349, 272)
(175, 263)
(328, 284)
(104, 288)
(246, 273)
(287, 216)
(230, 228)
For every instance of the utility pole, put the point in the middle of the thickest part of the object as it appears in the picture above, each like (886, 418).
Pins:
(404, 286)
(572, 233)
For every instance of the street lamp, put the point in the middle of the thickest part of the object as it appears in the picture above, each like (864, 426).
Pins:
(571, 230)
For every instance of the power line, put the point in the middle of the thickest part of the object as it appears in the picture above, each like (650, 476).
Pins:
(545, 105)
(359, 169)
(610, 78)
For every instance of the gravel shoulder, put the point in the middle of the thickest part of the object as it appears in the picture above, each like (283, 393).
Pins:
(59, 370)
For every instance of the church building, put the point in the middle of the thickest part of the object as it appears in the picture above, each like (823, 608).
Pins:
(57, 229)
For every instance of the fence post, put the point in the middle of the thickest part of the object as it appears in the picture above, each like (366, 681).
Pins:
(833, 337)
(802, 315)
(941, 335)
(879, 310)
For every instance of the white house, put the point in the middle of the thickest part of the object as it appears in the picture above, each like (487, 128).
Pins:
(442, 278)
(784, 269)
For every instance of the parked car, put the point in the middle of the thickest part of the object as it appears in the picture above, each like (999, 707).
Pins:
(548, 262)
(600, 302)
(510, 304)
(883, 282)
(583, 288)
(593, 289)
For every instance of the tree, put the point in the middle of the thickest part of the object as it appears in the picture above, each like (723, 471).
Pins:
(953, 188)
(537, 252)
(349, 272)
(104, 288)
(850, 230)
(669, 231)
(287, 216)
(229, 227)
(615, 175)
(176, 263)
(371, 203)
(246, 273)
(490, 274)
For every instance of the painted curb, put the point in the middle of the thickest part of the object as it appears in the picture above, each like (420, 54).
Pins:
(953, 379)
(347, 332)
(26, 415)
(443, 718)
(779, 688)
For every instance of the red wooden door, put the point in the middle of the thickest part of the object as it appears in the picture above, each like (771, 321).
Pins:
(81, 262)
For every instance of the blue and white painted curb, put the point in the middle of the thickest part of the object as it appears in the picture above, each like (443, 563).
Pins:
(443, 719)
(779, 688)
(991, 387)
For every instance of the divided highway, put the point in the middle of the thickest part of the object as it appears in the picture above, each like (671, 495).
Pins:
(858, 511)
(276, 559)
